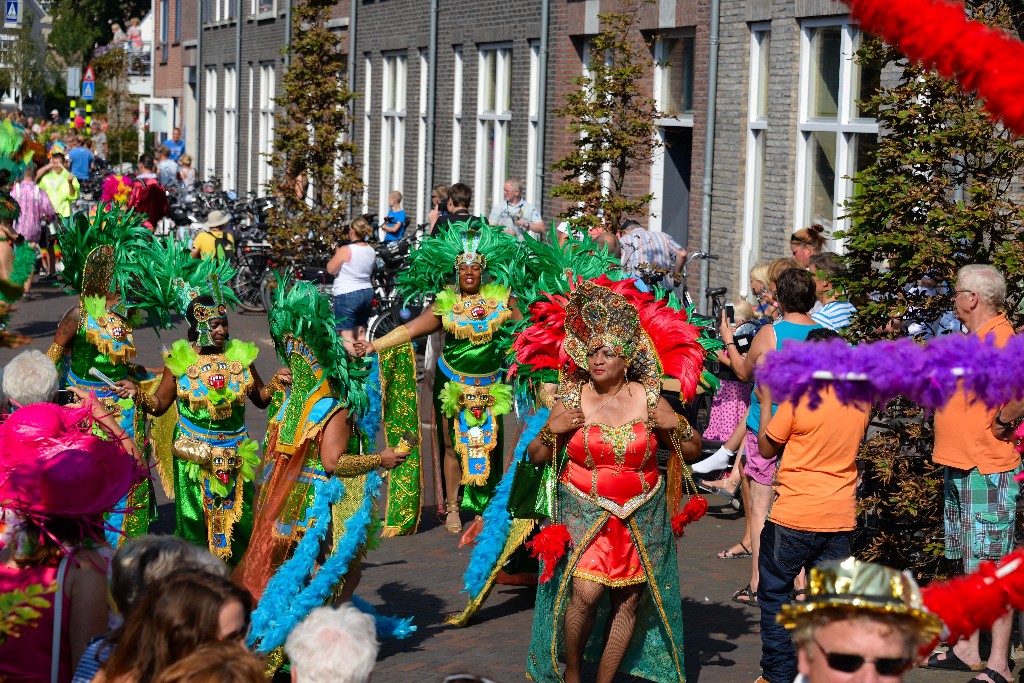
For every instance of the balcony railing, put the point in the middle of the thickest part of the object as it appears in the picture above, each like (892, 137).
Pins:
(140, 56)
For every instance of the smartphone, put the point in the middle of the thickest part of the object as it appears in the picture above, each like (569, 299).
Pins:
(730, 314)
(65, 397)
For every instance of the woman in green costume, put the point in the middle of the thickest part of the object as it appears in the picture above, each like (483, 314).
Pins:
(209, 378)
(93, 344)
(469, 392)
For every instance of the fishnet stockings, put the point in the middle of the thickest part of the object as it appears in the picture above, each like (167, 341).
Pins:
(579, 621)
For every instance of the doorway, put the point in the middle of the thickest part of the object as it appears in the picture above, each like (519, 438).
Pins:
(675, 191)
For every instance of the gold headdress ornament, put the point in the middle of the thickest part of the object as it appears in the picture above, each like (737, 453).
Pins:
(862, 587)
(98, 272)
(471, 252)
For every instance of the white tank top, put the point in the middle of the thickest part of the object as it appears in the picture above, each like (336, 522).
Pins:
(355, 273)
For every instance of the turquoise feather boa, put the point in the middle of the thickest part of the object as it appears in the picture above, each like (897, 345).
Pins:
(293, 592)
(497, 519)
(387, 627)
(369, 423)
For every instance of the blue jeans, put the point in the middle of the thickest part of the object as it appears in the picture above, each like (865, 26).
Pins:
(352, 310)
(784, 552)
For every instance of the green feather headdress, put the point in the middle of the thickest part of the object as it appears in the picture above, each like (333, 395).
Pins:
(166, 279)
(550, 266)
(432, 264)
(301, 313)
(81, 235)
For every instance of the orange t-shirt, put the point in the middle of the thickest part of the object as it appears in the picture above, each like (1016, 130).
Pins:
(816, 483)
(963, 429)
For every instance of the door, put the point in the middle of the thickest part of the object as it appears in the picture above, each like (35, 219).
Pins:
(675, 192)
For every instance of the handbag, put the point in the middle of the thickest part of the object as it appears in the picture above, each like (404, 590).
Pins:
(533, 490)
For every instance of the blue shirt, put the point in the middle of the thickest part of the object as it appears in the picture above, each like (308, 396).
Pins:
(177, 148)
(392, 218)
(81, 160)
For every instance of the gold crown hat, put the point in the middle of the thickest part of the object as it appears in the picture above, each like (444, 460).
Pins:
(862, 587)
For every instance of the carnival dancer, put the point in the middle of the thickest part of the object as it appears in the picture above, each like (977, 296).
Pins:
(17, 261)
(513, 513)
(316, 512)
(476, 318)
(613, 507)
(208, 377)
(93, 345)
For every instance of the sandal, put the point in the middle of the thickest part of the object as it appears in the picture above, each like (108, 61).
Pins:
(993, 676)
(452, 522)
(745, 596)
(798, 595)
(951, 662)
(730, 555)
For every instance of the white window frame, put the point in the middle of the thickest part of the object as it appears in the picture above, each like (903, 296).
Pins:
(229, 146)
(606, 174)
(532, 132)
(757, 134)
(265, 146)
(248, 134)
(683, 119)
(457, 71)
(394, 78)
(222, 10)
(367, 126)
(254, 9)
(422, 200)
(846, 126)
(210, 124)
(500, 116)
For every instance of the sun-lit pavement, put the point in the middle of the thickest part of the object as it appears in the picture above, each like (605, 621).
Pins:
(421, 575)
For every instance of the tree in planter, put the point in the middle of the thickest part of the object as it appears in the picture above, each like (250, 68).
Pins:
(613, 118)
(309, 146)
(938, 196)
(118, 105)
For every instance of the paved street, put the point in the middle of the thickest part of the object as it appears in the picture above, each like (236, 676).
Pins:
(421, 575)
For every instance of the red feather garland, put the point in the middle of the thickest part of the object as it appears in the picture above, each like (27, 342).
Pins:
(691, 512)
(549, 546)
(939, 36)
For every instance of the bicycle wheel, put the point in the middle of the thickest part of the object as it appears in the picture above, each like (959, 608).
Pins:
(248, 288)
(381, 325)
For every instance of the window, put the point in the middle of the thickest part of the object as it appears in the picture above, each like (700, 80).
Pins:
(229, 145)
(223, 10)
(165, 29)
(757, 136)
(248, 133)
(262, 7)
(392, 134)
(674, 75)
(457, 117)
(266, 137)
(836, 140)
(532, 191)
(177, 20)
(494, 114)
(422, 199)
(210, 127)
(367, 127)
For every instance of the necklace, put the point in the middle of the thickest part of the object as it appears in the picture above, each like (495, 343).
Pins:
(601, 407)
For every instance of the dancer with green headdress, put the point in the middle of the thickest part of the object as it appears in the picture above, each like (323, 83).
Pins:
(93, 345)
(470, 394)
(208, 377)
(17, 261)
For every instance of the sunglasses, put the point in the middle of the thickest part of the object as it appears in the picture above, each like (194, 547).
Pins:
(241, 635)
(885, 666)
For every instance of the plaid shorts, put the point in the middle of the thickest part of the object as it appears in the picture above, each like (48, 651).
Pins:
(979, 515)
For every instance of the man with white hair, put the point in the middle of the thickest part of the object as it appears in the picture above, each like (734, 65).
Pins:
(980, 488)
(514, 214)
(333, 645)
(30, 378)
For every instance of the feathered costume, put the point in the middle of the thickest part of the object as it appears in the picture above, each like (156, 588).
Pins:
(470, 390)
(98, 253)
(631, 515)
(551, 268)
(291, 566)
(12, 283)
(214, 460)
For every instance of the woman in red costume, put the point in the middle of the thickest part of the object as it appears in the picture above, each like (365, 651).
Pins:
(613, 505)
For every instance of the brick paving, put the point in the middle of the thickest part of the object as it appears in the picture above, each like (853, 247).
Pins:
(421, 575)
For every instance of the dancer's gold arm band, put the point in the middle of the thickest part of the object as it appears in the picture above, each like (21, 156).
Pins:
(353, 465)
(396, 337)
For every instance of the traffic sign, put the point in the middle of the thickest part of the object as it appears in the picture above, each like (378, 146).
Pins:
(11, 13)
(88, 90)
(89, 75)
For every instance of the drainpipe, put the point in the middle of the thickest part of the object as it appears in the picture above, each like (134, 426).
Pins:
(353, 9)
(431, 98)
(200, 75)
(542, 98)
(238, 89)
(287, 33)
(709, 151)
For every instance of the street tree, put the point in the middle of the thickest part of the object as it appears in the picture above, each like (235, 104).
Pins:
(117, 104)
(21, 70)
(943, 192)
(312, 155)
(612, 117)
(79, 26)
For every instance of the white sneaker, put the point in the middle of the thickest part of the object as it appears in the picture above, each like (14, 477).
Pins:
(718, 460)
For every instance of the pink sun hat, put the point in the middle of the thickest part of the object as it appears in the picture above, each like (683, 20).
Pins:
(52, 465)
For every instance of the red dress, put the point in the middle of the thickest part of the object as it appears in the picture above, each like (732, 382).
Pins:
(615, 468)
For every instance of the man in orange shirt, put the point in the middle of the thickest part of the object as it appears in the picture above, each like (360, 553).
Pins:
(814, 508)
(980, 489)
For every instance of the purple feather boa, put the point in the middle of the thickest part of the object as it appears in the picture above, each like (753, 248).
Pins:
(927, 374)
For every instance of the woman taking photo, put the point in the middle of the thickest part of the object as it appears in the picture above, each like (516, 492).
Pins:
(612, 503)
(352, 266)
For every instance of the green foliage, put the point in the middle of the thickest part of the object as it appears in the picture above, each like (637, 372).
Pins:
(114, 100)
(80, 25)
(20, 608)
(940, 194)
(22, 67)
(308, 137)
(613, 119)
